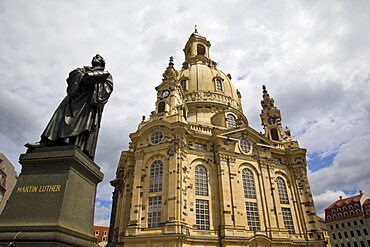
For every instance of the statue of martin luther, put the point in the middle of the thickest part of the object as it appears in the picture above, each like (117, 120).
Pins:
(77, 119)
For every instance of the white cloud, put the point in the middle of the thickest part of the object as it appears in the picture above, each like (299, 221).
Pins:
(314, 57)
(325, 199)
(349, 172)
(102, 214)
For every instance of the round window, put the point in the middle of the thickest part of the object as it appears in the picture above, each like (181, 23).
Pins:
(156, 137)
(244, 145)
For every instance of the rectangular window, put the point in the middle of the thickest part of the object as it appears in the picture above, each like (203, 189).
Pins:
(355, 243)
(358, 232)
(349, 244)
(288, 219)
(202, 214)
(200, 146)
(352, 234)
(342, 245)
(365, 231)
(334, 236)
(252, 216)
(154, 211)
(340, 235)
(362, 244)
(345, 235)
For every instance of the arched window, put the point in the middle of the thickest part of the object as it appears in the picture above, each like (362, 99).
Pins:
(248, 184)
(274, 135)
(345, 214)
(231, 120)
(329, 217)
(183, 84)
(201, 181)
(333, 211)
(340, 215)
(156, 175)
(201, 50)
(161, 107)
(334, 216)
(283, 195)
(339, 210)
(358, 211)
(218, 84)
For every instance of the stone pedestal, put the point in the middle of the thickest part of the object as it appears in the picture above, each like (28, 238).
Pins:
(53, 201)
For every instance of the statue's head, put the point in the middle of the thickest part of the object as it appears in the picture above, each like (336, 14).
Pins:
(98, 61)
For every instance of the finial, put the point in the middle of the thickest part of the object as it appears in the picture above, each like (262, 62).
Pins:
(171, 61)
(264, 88)
(196, 28)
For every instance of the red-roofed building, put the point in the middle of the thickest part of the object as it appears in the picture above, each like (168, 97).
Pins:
(348, 221)
(366, 208)
(101, 234)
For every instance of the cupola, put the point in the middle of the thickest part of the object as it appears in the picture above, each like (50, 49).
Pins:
(197, 49)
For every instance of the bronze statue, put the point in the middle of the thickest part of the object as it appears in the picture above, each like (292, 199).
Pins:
(77, 119)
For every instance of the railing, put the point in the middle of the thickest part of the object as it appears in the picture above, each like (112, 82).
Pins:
(211, 96)
(200, 128)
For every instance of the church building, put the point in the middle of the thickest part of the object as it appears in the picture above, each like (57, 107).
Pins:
(196, 174)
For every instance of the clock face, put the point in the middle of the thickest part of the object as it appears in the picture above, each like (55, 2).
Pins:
(165, 93)
(271, 120)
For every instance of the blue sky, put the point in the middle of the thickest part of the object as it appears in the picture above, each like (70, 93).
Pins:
(314, 57)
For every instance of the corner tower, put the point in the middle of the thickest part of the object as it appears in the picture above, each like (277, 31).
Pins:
(197, 174)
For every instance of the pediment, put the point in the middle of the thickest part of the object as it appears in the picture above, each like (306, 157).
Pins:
(245, 132)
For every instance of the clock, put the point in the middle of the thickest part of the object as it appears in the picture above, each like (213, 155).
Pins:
(165, 93)
(271, 120)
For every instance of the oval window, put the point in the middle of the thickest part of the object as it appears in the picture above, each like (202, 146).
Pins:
(245, 146)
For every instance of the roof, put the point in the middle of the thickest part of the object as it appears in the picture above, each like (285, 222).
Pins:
(366, 202)
(345, 201)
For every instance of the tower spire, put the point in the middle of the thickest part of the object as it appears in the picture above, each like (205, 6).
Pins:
(271, 119)
(170, 73)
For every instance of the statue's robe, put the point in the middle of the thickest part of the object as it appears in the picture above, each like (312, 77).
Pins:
(77, 119)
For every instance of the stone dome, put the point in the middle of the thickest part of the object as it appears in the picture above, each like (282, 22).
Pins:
(202, 81)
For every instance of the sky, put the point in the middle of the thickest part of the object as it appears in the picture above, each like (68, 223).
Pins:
(313, 56)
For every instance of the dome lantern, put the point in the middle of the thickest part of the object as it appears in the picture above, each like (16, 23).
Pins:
(197, 49)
